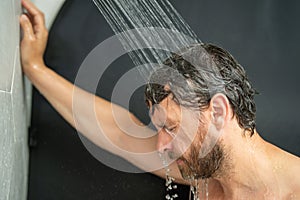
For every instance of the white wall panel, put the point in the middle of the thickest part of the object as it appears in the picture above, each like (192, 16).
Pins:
(7, 43)
(13, 104)
(6, 144)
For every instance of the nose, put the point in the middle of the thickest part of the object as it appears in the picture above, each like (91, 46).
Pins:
(164, 141)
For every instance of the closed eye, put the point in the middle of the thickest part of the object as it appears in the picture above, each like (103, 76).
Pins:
(171, 130)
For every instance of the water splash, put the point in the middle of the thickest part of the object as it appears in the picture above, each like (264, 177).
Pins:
(124, 15)
(198, 192)
(170, 186)
(206, 188)
(194, 189)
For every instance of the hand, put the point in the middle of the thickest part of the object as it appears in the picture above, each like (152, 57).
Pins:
(35, 37)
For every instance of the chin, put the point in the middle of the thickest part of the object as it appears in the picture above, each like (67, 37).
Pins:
(192, 167)
(186, 170)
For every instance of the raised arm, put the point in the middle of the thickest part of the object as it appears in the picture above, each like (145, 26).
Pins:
(59, 92)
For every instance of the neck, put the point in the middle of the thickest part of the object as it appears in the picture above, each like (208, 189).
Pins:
(250, 170)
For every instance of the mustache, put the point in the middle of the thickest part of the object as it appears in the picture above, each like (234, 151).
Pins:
(172, 155)
(168, 156)
(175, 156)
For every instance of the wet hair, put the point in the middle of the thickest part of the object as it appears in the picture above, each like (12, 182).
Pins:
(198, 72)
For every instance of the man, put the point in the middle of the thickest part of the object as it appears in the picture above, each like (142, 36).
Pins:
(202, 106)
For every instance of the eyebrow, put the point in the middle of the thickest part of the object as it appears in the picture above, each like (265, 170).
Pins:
(167, 124)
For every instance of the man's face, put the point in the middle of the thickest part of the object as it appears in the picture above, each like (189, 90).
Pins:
(181, 133)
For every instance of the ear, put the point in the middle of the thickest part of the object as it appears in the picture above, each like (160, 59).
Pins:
(220, 109)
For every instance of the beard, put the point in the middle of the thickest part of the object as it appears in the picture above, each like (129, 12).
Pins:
(193, 167)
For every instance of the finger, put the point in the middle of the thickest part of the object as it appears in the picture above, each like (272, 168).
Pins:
(34, 12)
(29, 17)
(27, 27)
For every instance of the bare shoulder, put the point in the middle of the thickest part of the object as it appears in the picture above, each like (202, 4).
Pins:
(291, 177)
(293, 169)
(294, 165)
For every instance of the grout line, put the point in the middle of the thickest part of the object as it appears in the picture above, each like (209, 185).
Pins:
(4, 91)
(14, 69)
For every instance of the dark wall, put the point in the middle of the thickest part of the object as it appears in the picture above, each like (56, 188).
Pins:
(261, 35)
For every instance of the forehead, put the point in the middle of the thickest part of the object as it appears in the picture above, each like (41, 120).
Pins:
(166, 110)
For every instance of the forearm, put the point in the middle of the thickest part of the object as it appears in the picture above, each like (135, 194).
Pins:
(60, 94)
(57, 90)
(90, 115)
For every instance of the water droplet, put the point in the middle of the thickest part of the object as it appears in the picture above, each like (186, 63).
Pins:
(206, 188)
(194, 186)
(169, 180)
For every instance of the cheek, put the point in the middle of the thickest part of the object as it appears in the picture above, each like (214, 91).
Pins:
(193, 149)
(191, 133)
(186, 135)
(182, 142)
